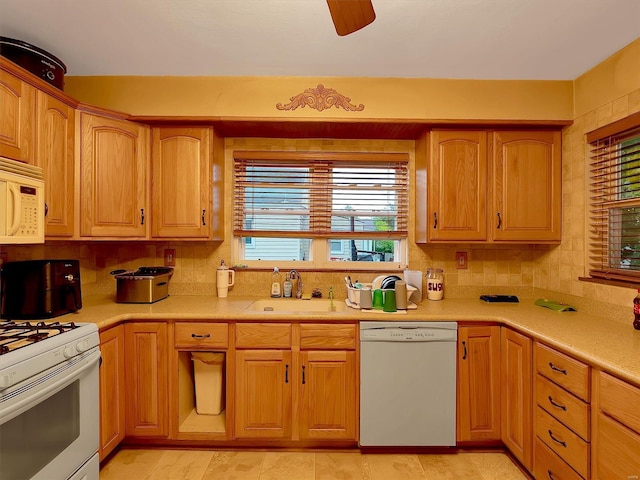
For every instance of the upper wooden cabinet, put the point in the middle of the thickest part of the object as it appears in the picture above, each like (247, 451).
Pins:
(457, 187)
(56, 133)
(17, 119)
(181, 183)
(489, 186)
(525, 186)
(114, 157)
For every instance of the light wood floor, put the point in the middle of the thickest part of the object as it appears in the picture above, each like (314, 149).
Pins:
(133, 464)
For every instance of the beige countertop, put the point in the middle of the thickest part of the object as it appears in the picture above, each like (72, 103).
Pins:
(611, 345)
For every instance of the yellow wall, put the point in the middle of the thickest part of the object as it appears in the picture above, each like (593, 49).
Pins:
(606, 93)
(381, 97)
(609, 84)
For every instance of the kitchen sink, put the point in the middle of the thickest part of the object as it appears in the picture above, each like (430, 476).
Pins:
(280, 305)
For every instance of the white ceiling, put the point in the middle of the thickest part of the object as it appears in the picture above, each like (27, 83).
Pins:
(482, 39)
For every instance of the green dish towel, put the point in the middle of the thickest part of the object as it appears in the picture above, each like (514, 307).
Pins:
(553, 305)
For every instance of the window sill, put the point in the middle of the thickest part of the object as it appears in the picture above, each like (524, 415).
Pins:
(614, 283)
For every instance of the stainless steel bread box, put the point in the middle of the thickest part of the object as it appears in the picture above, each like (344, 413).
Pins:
(145, 285)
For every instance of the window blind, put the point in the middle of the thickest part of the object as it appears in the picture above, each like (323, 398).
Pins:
(614, 241)
(320, 194)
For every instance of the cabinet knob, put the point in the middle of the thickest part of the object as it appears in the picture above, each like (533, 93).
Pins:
(142, 216)
(499, 221)
(203, 222)
(435, 219)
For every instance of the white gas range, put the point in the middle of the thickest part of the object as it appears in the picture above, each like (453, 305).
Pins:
(49, 400)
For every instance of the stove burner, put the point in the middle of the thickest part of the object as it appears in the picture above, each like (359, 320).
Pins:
(14, 335)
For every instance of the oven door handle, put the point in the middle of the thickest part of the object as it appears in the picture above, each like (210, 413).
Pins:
(32, 392)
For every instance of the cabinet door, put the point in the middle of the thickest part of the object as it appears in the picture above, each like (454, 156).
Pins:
(517, 396)
(181, 182)
(479, 383)
(146, 379)
(457, 186)
(263, 394)
(17, 119)
(113, 189)
(112, 397)
(328, 391)
(526, 186)
(56, 127)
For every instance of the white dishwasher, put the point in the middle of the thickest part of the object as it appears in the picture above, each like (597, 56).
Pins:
(408, 383)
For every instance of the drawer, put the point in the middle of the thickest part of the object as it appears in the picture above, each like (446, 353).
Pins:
(570, 410)
(567, 372)
(549, 466)
(327, 337)
(201, 334)
(569, 446)
(619, 400)
(615, 455)
(263, 335)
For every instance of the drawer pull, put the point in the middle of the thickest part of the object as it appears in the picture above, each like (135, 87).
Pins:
(557, 405)
(556, 369)
(197, 335)
(304, 381)
(559, 442)
(286, 374)
(550, 475)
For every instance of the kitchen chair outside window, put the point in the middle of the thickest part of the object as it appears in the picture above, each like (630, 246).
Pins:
(320, 208)
(614, 243)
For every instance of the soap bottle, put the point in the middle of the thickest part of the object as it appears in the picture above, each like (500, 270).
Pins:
(287, 287)
(275, 283)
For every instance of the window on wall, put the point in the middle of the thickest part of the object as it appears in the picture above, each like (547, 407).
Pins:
(321, 210)
(614, 243)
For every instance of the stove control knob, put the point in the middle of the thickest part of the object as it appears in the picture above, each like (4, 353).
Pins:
(82, 346)
(69, 352)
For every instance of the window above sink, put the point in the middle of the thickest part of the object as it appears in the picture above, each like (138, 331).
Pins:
(321, 210)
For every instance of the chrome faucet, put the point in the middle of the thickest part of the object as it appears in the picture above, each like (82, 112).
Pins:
(295, 275)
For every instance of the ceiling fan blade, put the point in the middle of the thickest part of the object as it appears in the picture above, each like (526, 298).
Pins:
(351, 15)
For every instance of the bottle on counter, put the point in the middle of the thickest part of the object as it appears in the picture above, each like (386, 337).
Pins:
(287, 287)
(636, 311)
(276, 279)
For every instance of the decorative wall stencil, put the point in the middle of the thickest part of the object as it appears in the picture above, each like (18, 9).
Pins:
(320, 99)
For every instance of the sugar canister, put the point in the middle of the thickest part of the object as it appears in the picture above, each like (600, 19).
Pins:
(435, 284)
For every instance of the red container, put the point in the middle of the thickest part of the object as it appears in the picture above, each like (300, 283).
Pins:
(35, 60)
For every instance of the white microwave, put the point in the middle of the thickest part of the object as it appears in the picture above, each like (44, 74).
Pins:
(22, 207)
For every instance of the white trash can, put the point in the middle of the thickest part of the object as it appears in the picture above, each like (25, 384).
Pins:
(208, 369)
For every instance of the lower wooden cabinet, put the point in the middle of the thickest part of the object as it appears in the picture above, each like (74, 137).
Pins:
(147, 410)
(263, 394)
(562, 418)
(271, 382)
(478, 383)
(517, 396)
(616, 429)
(327, 386)
(112, 390)
(548, 465)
